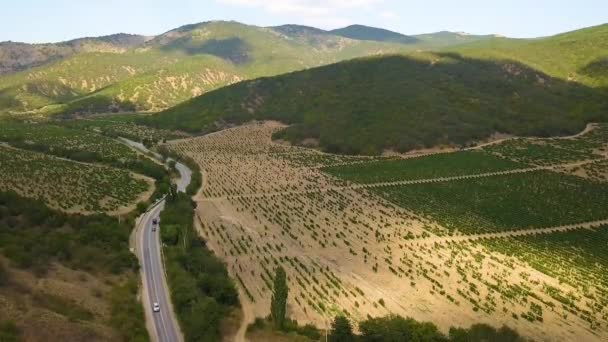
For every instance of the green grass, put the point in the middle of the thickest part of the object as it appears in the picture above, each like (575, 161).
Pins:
(493, 204)
(356, 107)
(433, 166)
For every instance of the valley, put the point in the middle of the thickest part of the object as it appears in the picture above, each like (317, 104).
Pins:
(223, 181)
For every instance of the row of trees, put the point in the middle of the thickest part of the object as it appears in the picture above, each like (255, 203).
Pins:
(201, 290)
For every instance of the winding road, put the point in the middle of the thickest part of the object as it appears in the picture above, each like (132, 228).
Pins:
(162, 325)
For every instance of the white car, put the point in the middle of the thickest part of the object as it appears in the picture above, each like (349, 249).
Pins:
(156, 307)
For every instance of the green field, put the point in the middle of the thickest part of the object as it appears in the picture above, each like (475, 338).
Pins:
(67, 185)
(493, 204)
(433, 166)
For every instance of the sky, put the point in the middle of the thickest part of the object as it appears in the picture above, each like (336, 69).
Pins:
(37, 21)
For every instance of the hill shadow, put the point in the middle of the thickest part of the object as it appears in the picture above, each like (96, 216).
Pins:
(597, 69)
(234, 49)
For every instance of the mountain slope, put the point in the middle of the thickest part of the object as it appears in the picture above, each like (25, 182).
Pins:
(424, 101)
(362, 32)
(20, 56)
(579, 56)
(444, 39)
(176, 66)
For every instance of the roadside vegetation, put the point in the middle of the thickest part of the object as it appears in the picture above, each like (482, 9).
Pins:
(37, 239)
(201, 290)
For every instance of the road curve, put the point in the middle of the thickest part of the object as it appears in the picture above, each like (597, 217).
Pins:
(162, 325)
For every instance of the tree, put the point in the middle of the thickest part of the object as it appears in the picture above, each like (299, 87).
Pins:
(278, 304)
(341, 330)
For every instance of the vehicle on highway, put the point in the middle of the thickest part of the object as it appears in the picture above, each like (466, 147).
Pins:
(155, 221)
(156, 307)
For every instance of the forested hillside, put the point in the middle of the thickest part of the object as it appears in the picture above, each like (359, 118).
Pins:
(425, 100)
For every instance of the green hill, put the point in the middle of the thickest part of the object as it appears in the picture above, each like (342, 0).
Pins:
(372, 33)
(580, 56)
(427, 99)
(444, 39)
(176, 66)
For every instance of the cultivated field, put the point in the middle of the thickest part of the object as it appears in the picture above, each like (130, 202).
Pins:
(392, 238)
(71, 186)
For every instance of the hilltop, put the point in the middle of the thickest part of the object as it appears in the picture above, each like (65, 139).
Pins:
(15, 56)
(136, 73)
(371, 33)
(579, 56)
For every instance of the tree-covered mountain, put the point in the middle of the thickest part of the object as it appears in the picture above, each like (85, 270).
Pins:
(396, 102)
(135, 73)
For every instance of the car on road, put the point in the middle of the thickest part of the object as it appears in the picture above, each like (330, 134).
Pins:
(156, 307)
(155, 221)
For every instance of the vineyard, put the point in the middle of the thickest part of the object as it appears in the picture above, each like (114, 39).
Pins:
(361, 252)
(433, 166)
(70, 186)
(124, 126)
(576, 258)
(555, 151)
(79, 145)
(521, 201)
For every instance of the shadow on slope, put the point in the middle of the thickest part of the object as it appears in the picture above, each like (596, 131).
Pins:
(397, 102)
(596, 69)
(232, 49)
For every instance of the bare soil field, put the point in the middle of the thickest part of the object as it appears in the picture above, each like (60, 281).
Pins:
(347, 250)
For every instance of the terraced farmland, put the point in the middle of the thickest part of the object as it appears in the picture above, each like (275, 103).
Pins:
(70, 186)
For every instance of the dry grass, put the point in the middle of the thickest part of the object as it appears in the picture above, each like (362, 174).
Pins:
(19, 302)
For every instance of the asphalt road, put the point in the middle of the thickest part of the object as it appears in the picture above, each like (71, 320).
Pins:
(185, 176)
(155, 288)
(155, 283)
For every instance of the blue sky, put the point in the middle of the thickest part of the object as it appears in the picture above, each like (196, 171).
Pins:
(56, 20)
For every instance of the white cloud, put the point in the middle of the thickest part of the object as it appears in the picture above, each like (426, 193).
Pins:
(325, 13)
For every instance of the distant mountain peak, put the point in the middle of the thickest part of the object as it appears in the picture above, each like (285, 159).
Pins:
(362, 32)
